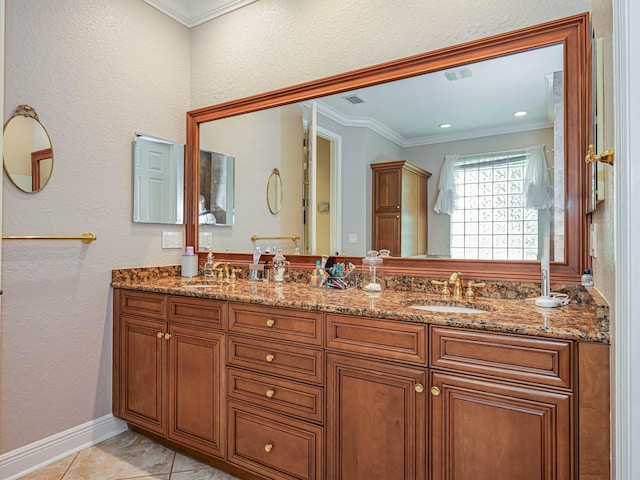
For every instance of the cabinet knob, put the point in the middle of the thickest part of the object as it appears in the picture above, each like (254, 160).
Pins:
(398, 207)
(397, 216)
(271, 322)
(167, 336)
(270, 393)
(419, 388)
(159, 334)
(270, 358)
(435, 391)
(268, 447)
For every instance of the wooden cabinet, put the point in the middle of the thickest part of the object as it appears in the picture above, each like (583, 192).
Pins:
(493, 414)
(143, 356)
(376, 407)
(399, 208)
(276, 378)
(171, 354)
(280, 393)
(376, 419)
(196, 404)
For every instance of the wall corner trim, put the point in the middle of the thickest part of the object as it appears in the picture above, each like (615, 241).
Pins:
(34, 456)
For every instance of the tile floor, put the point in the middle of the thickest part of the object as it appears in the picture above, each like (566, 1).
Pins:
(128, 456)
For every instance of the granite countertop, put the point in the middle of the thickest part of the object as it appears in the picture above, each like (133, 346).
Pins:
(584, 320)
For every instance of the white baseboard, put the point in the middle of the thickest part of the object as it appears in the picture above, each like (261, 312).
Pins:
(32, 457)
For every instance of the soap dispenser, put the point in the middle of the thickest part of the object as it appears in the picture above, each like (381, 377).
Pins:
(279, 267)
(372, 267)
(209, 271)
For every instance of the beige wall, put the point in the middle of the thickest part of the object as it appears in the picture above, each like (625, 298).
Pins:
(257, 151)
(96, 71)
(99, 70)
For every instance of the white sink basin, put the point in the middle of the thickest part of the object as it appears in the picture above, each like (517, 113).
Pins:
(446, 309)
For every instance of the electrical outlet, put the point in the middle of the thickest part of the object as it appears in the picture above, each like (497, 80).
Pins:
(593, 240)
(171, 239)
(353, 238)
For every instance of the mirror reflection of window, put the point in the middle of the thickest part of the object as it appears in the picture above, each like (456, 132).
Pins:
(216, 189)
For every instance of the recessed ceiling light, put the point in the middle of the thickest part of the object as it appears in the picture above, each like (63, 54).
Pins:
(520, 113)
(445, 125)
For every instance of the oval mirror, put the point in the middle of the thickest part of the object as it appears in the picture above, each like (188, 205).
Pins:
(274, 192)
(28, 154)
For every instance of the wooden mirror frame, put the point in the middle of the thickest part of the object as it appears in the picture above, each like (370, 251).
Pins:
(572, 32)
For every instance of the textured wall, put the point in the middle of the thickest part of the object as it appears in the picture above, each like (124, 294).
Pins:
(276, 43)
(96, 71)
(99, 70)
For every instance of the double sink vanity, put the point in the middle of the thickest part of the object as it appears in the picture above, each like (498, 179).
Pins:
(290, 382)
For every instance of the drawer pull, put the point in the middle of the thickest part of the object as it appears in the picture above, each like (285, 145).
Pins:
(419, 388)
(270, 393)
(159, 334)
(435, 391)
(271, 322)
(167, 336)
(269, 358)
(268, 447)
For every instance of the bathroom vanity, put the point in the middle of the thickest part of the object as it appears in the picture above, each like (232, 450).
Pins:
(287, 382)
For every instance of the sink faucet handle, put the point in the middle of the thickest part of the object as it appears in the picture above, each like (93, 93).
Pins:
(445, 292)
(470, 294)
(233, 273)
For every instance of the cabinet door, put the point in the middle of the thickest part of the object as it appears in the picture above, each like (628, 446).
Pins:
(142, 376)
(386, 232)
(376, 420)
(483, 430)
(387, 189)
(196, 361)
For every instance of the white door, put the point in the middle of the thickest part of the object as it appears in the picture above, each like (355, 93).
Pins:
(310, 199)
(155, 180)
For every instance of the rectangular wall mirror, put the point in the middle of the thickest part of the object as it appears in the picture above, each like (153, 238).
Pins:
(398, 112)
(158, 180)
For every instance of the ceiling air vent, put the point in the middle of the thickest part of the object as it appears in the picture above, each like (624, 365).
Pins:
(354, 99)
(458, 74)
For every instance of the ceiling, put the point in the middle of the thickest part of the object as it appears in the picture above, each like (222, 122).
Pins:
(480, 102)
(194, 12)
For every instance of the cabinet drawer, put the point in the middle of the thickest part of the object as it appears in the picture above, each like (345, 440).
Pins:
(281, 323)
(197, 311)
(274, 446)
(277, 395)
(382, 338)
(527, 359)
(145, 304)
(276, 358)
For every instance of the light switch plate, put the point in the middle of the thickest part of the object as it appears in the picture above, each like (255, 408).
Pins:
(171, 239)
(353, 238)
(205, 241)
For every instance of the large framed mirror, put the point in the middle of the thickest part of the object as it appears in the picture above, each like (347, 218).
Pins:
(556, 97)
